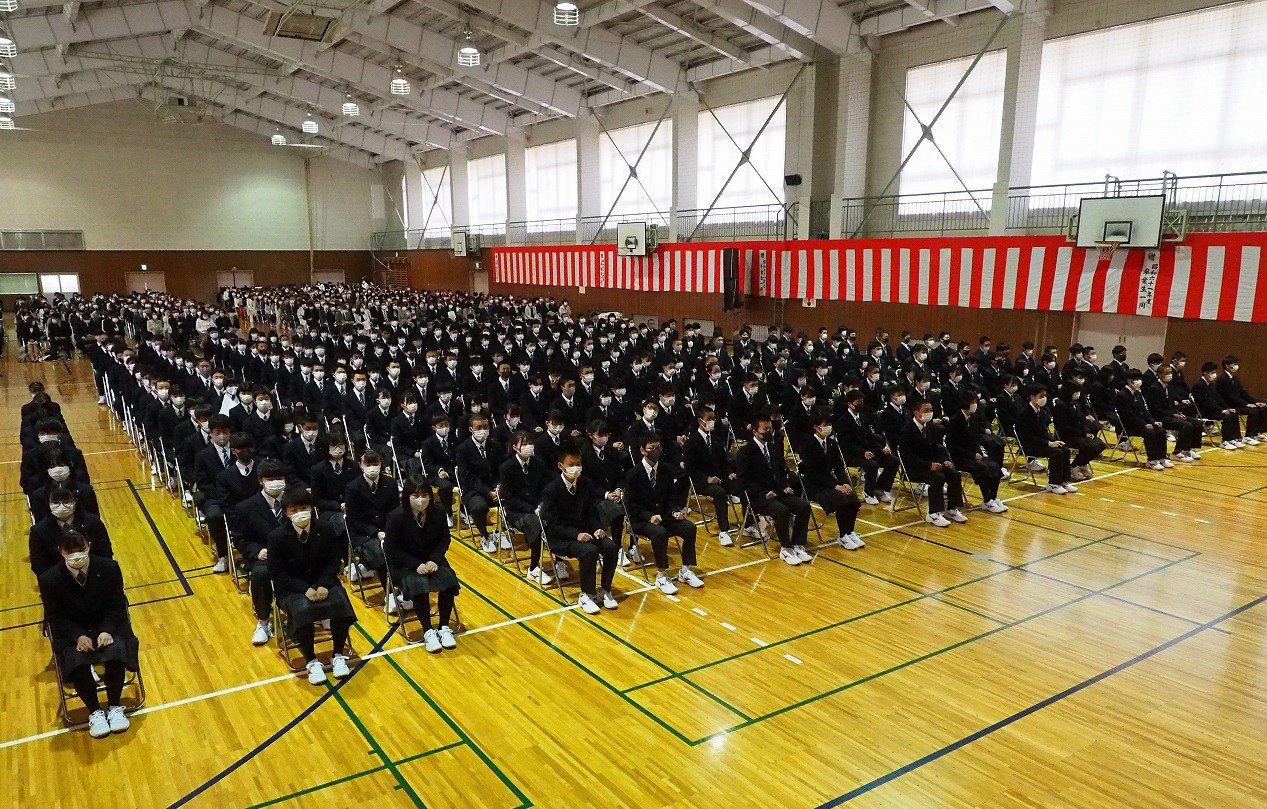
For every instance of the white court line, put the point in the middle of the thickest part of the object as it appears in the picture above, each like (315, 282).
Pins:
(1203, 522)
(699, 612)
(758, 641)
(1170, 514)
(795, 660)
(729, 626)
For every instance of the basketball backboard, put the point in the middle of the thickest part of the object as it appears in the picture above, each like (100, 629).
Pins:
(1126, 221)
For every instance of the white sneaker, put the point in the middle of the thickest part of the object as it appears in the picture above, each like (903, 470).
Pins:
(446, 638)
(1007, 473)
(431, 641)
(506, 546)
(391, 603)
(688, 577)
(752, 531)
(1184, 457)
(221, 565)
(789, 556)
(561, 571)
(352, 573)
(316, 673)
(847, 542)
(1076, 474)
(994, 506)
(857, 540)
(1086, 470)
(1037, 466)
(635, 555)
(449, 517)
(622, 559)
(587, 604)
(734, 501)
(339, 666)
(725, 539)
(539, 576)
(326, 623)
(1054, 488)
(667, 587)
(956, 515)
(921, 489)
(118, 719)
(1156, 466)
(98, 725)
(364, 572)
(187, 498)
(1238, 443)
(488, 545)
(885, 497)
(802, 554)
(1193, 455)
(1123, 446)
(1166, 462)
(937, 520)
(405, 604)
(263, 631)
(1253, 442)
(609, 601)
(871, 500)
(1070, 488)
(101, 400)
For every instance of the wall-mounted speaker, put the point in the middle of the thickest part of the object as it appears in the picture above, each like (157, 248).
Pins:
(792, 180)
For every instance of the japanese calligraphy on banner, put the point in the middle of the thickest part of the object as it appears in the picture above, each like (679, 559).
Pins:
(1212, 276)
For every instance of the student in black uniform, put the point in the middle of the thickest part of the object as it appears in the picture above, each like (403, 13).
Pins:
(970, 455)
(436, 461)
(604, 466)
(331, 478)
(576, 530)
(367, 502)
(86, 610)
(711, 470)
(866, 449)
(1212, 406)
(1078, 428)
(65, 513)
(521, 478)
(927, 461)
(1038, 439)
(254, 519)
(827, 481)
(652, 504)
(416, 547)
(303, 561)
(764, 477)
(478, 460)
(1139, 420)
(1234, 393)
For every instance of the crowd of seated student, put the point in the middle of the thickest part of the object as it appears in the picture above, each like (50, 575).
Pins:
(536, 413)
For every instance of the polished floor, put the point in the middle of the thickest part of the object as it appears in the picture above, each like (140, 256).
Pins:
(1103, 649)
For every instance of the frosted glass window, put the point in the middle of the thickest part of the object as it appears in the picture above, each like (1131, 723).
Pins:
(719, 154)
(652, 191)
(437, 199)
(19, 283)
(550, 179)
(486, 190)
(1182, 93)
(65, 283)
(967, 132)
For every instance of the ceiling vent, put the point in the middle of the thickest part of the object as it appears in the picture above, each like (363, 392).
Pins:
(308, 27)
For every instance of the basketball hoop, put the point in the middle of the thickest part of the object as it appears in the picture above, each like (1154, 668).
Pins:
(1108, 249)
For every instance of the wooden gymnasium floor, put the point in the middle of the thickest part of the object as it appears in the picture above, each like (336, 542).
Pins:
(1103, 649)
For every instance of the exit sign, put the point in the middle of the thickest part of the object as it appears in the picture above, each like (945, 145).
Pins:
(145, 268)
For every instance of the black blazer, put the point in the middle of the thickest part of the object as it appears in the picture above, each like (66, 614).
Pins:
(73, 610)
(606, 473)
(703, 461)
(367, 511)
(642, 500)
(234, 487)
(329, 489)
(1034, 429)
(757, 476)
(520, 488)
(569, 513)
(254, 523)
(409, 435)
(476, 474)
(408, 544)
(45, 537)
(821, 467)
(921, 448)
(299, 461)
(296, 566)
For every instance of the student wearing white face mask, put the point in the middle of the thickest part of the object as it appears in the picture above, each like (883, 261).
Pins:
(87, 615)
(304, 556)
(926, 460)
(65, 514)
(1038, 439)
(58, 472)
(521, 479)
(367, 502)
(253, 520)
(416, 546)
(575, 528)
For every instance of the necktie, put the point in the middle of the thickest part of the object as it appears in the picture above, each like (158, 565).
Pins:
(483, 454)
(277, 511)
(653, 477)
(80, 576)
(708, 441)
(766, 452)
(224, 456)
(338, 469)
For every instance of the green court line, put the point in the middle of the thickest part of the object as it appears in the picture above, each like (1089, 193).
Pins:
(371, 771)
(1141, 553)
(377, 749)
(911, 589)
(129, 588)
(454, 726)
(929, 655)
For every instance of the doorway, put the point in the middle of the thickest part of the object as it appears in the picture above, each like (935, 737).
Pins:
(145, 281)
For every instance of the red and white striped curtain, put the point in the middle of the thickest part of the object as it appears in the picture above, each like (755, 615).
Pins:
(1212, 276)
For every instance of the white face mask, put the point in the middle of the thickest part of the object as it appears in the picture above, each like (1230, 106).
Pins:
(77, 561)
(571, 472)
(480, 435)
(536, 389)
(600, 441)
(59, 473)
(443, 432)
(309, 435)
(359, 384)
(336, 452)
(411, 409)
(178, 401)
(300, 519)
(650, 415)
(900, 400)
(371, 472)
(62, 511)
(419, 503)
(709, 426)
(554, 429)
(1041, 401)
(527, 451)
(47, 439)
(274, 488)
(825, 430)
(926, 417)
(264, 406)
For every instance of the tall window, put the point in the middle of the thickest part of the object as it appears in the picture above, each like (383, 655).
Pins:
(486, 187)
(652, 190)
(437, 199)
(1182, 93)
(967, 132)
(65, 283)
(721, 145)
(550, 177)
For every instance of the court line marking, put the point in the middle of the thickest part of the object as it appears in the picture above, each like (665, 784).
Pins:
(86, 454)
(795, 660)
(1038, 706)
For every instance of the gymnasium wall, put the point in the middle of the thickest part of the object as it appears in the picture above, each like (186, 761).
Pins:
(130, 182)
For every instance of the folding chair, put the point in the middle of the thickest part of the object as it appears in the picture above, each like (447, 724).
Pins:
(1128, 451)
(407, 609)
(286, 646)
(505, 530)
(764, 527)
(467, 531)
(237, 562)
(357, 578)
(696, 505)
(814, 508)
(909, 488)
(546, 550)
(1017, 459)
(132, 680)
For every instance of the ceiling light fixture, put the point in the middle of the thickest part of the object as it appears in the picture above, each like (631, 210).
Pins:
(8, 5)
(278, 138)
(7, 105)
(400, 85)
(8, 48)
(309, 125)
(350, 107)
(567, 14)
(468, 54)
(6, 122)
(7, 82)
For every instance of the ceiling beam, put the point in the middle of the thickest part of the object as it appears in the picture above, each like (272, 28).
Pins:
(820, 20)
(694, 31)
(773, 33)
(900, 19)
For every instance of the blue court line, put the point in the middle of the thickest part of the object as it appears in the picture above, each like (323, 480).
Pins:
(284, 729)
(1038, 706)
(180, 574)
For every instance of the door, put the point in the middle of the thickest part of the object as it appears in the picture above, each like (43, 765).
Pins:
(145, 281)
(479, 282)
(328, 276)
(1141, 335)
(235, 278)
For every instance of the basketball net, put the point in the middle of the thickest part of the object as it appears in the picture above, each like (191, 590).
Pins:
(1107, 251)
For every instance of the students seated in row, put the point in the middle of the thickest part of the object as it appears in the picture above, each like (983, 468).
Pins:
(254, 519)
(1212, 406)
(304, 557)
(416, 543)
(575, 529)
(926, 460)
(651, 500)
(87, 614)
(764, 477)
(711, 471)
(65, 513)
(1038, 439)
(367, 501)
(826, 479)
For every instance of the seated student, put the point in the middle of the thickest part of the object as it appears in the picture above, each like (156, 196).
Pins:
(238, 481)
(367, 501)
(378, 422)
(1038, 439)
(254, 519)
(549, 444)
(436, 461)
(576, 529)
(927, 461)
(1237, 397)
(209, 463)
(1078, 428)
(416, 545)
(86, 610)
(651, 500)
(604, 466)
(764, 477)
(1138, 420)
(264, 425)
(968, 454)
(1160, 404)
(894, 417)
(330, 479)
(827, 481)
(801, 414)
(744, 405)
(866, 449)
(303, 452)
(521, 478)
(410, 429)
(59, 472)
(65, 514)
(304, 557)
(710, 469)
(478, 461)
(36, 389)
(1211, 405)
(50, 435)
